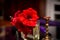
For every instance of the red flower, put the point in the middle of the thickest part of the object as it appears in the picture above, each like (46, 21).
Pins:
(25, 21)
(30, 17)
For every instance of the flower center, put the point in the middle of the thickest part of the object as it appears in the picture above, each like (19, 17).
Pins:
(29, 17)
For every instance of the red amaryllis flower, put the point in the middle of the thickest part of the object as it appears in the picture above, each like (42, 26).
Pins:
(25, 21)
(30, 17)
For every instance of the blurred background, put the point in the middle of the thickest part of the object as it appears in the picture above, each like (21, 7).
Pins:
(43, 7)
